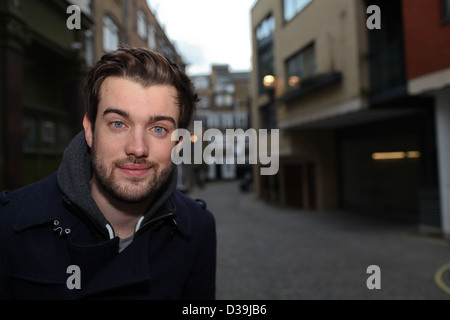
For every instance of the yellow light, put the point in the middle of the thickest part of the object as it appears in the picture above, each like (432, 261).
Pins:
(388, 155)
(194, 138)
(269, 80)
(413, 154)
(294, 81)
(395, 155)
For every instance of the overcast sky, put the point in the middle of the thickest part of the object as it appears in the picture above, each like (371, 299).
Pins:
(208, 32)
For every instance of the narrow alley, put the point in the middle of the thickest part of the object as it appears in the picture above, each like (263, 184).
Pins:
(269, 252)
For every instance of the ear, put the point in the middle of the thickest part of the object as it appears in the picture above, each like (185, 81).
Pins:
(179, 141)
(88, 130)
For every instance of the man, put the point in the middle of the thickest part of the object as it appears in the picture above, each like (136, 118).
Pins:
(110, 224)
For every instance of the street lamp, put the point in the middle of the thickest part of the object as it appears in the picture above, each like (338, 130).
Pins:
(269, 81)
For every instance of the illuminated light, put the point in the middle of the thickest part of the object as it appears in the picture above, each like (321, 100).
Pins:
(395, 155)
(194, 138)
(294, 81)
(388, 155)
(269, 80)
(413, 154)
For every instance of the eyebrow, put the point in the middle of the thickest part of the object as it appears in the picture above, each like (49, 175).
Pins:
(126, 115)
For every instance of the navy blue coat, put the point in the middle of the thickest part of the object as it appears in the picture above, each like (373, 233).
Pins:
(41, 235)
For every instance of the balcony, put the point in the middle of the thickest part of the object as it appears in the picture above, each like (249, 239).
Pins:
(311, 85)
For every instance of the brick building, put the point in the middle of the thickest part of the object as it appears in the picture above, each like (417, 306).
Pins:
(131, 22)
(42, 65)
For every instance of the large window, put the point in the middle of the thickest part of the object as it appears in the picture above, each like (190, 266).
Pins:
(110, 34)
(292, 7)
(142, 24)
(204, 102)
(223, 100)
(201, 82)
(151, 41)
(264, 37)
(301, 67)
(265, 29)
(446, 16)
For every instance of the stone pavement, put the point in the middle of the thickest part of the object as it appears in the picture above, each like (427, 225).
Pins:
(270, 252)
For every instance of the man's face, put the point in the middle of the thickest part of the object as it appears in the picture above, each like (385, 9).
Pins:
(131, 145)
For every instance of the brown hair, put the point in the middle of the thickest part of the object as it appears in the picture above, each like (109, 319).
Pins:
(145, 67)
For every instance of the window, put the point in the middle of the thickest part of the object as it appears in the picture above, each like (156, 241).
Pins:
(29, 127)
(241, 120)
(265, 29)
(264, 36)
(223, 87)
(446, 4)
(301, 66)
(48, 134)
(204, 102)
(292, 7)
(89, 47)
(223, 100)
(201, 82)
(110, 34)
(142, 24)
(227, 121)
(151, 41)
(213, 120)
(268, 117)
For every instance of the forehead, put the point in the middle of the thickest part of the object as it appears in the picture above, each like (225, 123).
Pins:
(137, 100)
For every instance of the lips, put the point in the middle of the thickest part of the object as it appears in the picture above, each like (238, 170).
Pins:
(134, 170)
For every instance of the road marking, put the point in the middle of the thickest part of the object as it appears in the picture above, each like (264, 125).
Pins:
(438, 278)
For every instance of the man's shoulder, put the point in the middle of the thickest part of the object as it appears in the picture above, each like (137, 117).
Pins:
(194, 212)
(198, 205)
(34, 195)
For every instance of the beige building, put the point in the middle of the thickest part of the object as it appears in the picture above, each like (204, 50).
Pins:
(317, 51)
(224, 104)
(351, 136)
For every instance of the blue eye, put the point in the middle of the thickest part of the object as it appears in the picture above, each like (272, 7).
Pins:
(159, 130)
(118, 125)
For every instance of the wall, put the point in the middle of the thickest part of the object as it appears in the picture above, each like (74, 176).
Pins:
(427, 42)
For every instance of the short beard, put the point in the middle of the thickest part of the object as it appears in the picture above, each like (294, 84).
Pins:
(108, 182)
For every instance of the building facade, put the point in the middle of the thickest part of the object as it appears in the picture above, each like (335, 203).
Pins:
(352, 135)
(130, 22)
(224, 104)
(427, 53)
(42, 67)
(46, 47)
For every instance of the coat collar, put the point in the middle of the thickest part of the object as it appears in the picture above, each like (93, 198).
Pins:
(48, 207)
(44, 200)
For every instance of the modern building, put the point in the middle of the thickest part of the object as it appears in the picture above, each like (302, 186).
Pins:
(352, 135)
(224, 104)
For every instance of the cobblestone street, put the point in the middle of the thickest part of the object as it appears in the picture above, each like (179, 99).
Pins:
(270, 252)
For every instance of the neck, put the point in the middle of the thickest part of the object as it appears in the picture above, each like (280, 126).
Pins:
(122, 216)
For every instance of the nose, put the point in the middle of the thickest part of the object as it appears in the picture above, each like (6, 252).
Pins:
(137, 144)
